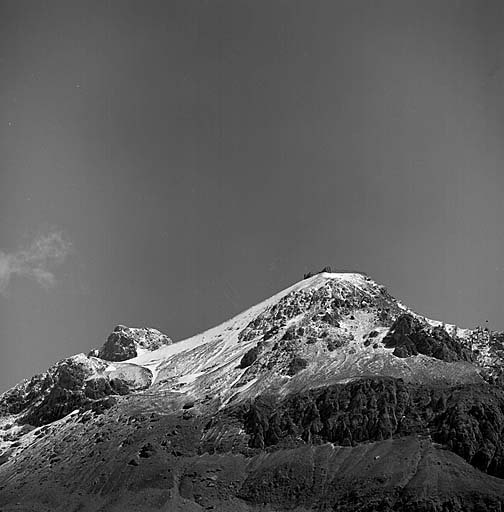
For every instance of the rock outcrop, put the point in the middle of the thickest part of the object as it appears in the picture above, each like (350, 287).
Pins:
(410, 337)
(126, 343)
(65, 387)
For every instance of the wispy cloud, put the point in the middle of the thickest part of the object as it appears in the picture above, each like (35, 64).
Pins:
(35, 260)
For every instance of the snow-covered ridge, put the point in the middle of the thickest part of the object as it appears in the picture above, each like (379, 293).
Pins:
(208, 363)
(226, 334)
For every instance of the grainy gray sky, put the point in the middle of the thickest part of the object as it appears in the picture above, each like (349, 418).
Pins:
(169, 163)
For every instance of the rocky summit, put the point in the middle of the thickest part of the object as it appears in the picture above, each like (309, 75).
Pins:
(329, 396)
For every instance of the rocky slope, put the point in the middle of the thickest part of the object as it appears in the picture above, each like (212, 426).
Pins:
(330, 395)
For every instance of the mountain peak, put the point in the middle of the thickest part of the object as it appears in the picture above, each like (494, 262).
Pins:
(334, 358)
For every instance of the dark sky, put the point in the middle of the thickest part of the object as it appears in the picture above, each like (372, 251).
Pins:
(170, 163)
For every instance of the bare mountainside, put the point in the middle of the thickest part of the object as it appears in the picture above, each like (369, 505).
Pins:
(330, 395)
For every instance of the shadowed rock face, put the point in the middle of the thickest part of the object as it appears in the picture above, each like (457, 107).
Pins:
(467, 419)
(410, 337)
(330, 396)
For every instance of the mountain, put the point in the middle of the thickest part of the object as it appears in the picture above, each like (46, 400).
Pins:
(330, 395)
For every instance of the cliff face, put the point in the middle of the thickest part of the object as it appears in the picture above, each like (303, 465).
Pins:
(330, 395)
